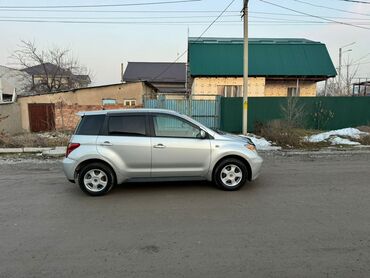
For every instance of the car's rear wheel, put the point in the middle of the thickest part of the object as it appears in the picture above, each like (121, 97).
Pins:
(230, 174)
(96, 179)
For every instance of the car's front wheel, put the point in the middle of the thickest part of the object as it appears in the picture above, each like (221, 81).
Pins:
(230, 174)
(96, 179)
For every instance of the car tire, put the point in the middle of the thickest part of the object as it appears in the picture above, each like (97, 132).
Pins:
(96, 179)
(230, 174)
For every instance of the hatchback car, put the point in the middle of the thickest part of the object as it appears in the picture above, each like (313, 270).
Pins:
(110, 147)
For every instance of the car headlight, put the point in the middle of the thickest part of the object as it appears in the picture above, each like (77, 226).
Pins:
(250, 147)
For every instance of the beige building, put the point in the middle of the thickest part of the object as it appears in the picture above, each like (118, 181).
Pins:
(277, 67)
(57, 110)
(257, 87)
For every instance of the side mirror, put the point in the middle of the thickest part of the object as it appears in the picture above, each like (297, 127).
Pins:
(203, 134)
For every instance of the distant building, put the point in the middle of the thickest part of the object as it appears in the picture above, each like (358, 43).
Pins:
(57, 110)
(168, 78)
(46, 76)
(277, 67)
(13, 82)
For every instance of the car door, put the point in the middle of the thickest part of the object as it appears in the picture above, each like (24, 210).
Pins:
(177, 149)
(126, 142)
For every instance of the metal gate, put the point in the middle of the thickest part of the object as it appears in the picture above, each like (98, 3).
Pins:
(41, 116)
(206, 112)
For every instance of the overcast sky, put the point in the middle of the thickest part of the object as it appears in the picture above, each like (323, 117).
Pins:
(102, 47)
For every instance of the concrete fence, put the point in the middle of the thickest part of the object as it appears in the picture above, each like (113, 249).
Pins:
(10, 118)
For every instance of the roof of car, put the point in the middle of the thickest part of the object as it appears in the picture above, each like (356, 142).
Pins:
(137, 110)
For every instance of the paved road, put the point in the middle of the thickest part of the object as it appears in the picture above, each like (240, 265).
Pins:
(305, 217)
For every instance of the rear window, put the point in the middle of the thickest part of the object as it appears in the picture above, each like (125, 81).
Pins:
(90, 125)
(127, 125)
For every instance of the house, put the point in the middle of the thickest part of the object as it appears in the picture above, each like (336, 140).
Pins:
(13, 82)
(48, 77)
(277, 67)
(168, 78)
(57, 110)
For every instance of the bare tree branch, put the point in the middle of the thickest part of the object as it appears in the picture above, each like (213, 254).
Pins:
(58, 69)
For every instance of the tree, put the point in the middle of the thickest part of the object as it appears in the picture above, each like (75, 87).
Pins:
(293, 112)
(342, 88)
(51, 70)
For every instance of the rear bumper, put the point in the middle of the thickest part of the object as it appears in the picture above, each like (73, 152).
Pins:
(69, 167)
(256, 165)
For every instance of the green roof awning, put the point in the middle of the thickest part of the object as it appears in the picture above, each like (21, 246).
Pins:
(267, 57)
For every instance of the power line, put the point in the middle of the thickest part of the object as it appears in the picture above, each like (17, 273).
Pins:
(115, 11)
(99, 5)
(235, 13)
(224, 22)
(330, 8)
(164, 17)
(315, 16)
(120, 17)
(355, 1)
(205, 31)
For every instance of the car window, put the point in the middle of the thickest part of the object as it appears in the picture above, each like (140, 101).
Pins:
(90, 125)
(130, 125)
(170, 126)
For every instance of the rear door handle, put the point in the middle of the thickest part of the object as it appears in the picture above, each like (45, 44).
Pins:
(159, 146)
(106, 143)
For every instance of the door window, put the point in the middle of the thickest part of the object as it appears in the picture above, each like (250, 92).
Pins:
(127, 125)
(169, 126)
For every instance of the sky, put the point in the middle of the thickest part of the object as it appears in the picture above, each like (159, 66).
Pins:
(162, 32)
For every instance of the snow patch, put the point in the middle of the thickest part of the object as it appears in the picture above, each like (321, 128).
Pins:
(341, 141)
(346, 132)
(261, 143)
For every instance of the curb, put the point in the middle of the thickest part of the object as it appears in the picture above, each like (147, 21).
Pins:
(348, 151)
(57, 151)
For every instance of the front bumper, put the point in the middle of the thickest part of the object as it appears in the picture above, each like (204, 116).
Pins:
(69, 167)
(256, 165)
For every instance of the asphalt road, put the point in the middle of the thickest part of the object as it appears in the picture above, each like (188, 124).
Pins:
(305, 217)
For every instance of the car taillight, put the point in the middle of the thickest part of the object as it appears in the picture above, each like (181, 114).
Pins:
(71, 147)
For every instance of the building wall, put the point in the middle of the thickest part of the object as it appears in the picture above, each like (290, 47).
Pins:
(66, 117)
(88, 96)
(210, 85)
(12, 79)
(257, 86)
(11, 124)
(279, 88)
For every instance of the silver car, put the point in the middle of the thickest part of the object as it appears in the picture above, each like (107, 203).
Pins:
(110, 147)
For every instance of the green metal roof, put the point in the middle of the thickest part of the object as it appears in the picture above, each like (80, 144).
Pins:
(267, 57)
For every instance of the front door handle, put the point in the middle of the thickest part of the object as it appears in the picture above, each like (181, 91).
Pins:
(159, 146)
(106, 143)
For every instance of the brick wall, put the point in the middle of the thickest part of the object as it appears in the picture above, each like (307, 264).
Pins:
(66, 118)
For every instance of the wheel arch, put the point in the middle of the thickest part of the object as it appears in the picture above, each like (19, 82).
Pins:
(238, 157)
(93, 160)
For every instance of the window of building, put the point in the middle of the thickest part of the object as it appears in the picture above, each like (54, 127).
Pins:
(230, 90)
(129, 125)
(293, 92)
(109, 101)
(129, 102)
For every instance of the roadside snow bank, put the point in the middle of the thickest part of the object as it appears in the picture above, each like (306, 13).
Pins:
(261, 143)
(334, 136)
(342, 141)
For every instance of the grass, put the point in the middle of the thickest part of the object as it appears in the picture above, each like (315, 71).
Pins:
(49, 139)
(364, 140)
(287, 136)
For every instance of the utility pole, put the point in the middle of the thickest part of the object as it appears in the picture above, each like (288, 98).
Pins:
(348, 83)
(340, 65)
(245, 74)
(340, 71)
